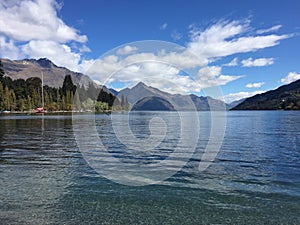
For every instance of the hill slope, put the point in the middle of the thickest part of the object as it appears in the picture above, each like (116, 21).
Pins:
(153, 103)
(53, 75)
(178, 101)
(285, 97)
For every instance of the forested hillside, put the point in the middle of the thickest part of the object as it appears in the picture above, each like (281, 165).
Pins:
(26, 95)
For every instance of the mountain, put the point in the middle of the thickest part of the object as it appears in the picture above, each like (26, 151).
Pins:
(153, 103)
(235, 103)
(53, 75)
(142, 95)
(285, 97)
(113, 91)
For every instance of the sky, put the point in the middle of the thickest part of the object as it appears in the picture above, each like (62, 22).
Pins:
(242, 47)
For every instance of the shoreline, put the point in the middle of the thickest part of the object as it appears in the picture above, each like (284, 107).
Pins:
(51, 112)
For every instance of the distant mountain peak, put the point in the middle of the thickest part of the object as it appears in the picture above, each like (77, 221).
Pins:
(44, 62)
(140, 84)
(145, 97)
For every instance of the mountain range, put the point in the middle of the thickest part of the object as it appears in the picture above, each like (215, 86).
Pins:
(144, 97)
(53, 74)
(54, 77)
(141, 97)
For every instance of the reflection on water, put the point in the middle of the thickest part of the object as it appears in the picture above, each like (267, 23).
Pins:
(255, 178)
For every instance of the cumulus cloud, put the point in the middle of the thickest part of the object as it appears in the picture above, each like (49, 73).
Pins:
(250, 62)
(84, 48)
(8, 49)
(227, 38)
(212, 76)
(104, 67)
(32, 28)
(27, 20)
(146, 67)
(160, 71)
(255, 85)
(240, 95)
(60, 54)
(271, 29)
(163, 26)
(126, 50)
(292, 76)
(233, 62)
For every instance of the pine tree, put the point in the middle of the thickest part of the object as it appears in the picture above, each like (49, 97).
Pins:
(29, 103)
(1, 97)
(6, 102)
(1, 71)
(68, 85)
(77, 103)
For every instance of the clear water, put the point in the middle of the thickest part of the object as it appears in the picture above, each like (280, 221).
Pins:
(255, 178)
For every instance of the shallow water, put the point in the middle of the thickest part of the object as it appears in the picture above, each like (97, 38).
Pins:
(255, 178)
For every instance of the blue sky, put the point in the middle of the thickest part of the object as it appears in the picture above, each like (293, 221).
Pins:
(245, 47)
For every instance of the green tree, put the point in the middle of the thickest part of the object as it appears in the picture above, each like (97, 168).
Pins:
(108, 98)
(68, 85)
(101, 106)
(1, 97)
(1, 71)
(88, 104)
(77, 103)
(29, 103)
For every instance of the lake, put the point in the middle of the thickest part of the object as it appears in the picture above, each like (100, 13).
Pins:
(47, 177)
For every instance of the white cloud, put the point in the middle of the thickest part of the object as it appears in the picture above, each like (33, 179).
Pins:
(233, 62)
(127, 50)
(240, 95)
(228, 38)
(257, 62)
(183, 59)
(84, 48)
(212, 76)
(271, 29)
(32, 28)
(292, 76)
(27, 20)
(102, 68)
(157, 74)
(8, 49)
(156, 71)
(176, 35)
(60, 54)
(255, 85)
(163, 26)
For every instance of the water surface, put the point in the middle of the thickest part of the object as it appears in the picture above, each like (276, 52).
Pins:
(255, 178)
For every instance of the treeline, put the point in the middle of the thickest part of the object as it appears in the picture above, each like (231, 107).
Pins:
(286, 97)
(26, 95)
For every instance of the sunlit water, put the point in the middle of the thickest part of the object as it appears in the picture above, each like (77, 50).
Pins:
(255, 178)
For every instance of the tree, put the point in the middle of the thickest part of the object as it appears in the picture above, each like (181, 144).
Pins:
(88, 104)
(1, 97)
(68, 85)
(108, 98)
(34, 85)
(1, 71)
(101, 106)
(77, 103)
(122, 101)
(29, 103)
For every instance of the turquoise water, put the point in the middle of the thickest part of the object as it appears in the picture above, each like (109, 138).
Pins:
(255, 178)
